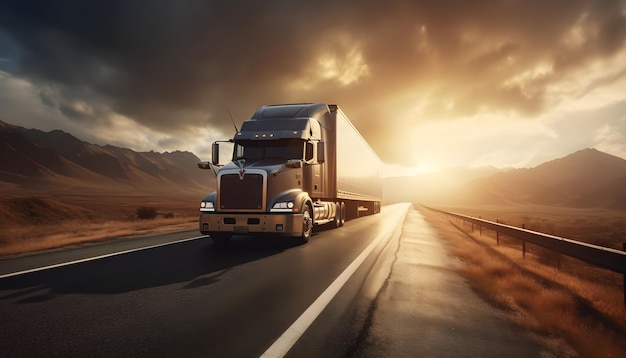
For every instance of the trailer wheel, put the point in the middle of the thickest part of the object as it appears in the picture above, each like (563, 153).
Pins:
(307, 224)
(338, 216)
(342, 210)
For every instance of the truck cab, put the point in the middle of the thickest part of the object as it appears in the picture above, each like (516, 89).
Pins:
(282, 178)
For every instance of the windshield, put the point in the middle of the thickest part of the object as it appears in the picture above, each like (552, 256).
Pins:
(263, 149)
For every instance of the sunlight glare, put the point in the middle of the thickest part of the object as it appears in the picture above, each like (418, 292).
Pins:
(470, 141)
(341, 61)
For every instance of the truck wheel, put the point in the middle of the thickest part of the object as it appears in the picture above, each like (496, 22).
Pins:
(342, 210)
(338, 217)
(307, 224)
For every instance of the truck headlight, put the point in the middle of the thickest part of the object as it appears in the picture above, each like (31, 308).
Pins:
(282, 206)
(207, 206)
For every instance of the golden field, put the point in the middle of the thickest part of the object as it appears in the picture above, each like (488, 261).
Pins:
(31, 223)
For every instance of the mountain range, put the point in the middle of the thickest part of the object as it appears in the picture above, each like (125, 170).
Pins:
(587, 178)
(584, 179)
(57, 162)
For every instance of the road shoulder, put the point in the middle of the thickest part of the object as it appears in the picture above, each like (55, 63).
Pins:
(427, 309)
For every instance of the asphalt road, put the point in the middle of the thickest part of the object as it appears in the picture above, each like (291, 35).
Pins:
(191, 298)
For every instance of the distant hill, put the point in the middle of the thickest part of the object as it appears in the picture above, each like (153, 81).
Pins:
(584, 179)
(587, 178)
(57, 162)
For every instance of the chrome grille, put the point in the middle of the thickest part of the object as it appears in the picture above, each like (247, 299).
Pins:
(241, 194)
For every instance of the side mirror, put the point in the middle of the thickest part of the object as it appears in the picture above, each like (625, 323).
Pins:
(204, 165)
(207, 165)
(215, 153)
(308, 153)
(321, 152)
(293, 163)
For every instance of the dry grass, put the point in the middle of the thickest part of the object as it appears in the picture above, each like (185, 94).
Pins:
(570, 313)
(39, 223)
(22, 240)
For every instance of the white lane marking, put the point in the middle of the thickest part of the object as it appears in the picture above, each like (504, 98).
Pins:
(97, 257)
(283, 344)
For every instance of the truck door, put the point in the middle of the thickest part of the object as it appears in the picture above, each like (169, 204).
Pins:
(313, 172)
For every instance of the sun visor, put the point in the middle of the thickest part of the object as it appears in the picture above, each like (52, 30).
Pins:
(274, 129)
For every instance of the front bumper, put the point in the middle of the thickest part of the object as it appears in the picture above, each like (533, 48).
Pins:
(252, 223)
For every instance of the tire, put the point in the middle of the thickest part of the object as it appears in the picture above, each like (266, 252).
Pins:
(338, 215)
(307, 225)
(342, 214)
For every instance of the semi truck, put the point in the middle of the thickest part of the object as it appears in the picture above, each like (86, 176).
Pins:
(293, 167)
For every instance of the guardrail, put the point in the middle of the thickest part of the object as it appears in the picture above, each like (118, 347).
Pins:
(611, 259)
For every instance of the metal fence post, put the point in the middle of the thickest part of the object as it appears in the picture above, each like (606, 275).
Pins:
(497, 234)
(523, 245)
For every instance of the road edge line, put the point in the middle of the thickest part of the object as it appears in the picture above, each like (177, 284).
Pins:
(288, 339)
(62, 264)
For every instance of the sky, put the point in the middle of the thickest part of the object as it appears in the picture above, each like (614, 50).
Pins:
(429, 84)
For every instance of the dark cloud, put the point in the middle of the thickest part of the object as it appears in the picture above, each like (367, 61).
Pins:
(172, 65)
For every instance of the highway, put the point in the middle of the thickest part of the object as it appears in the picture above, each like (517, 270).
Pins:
(379, 286)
